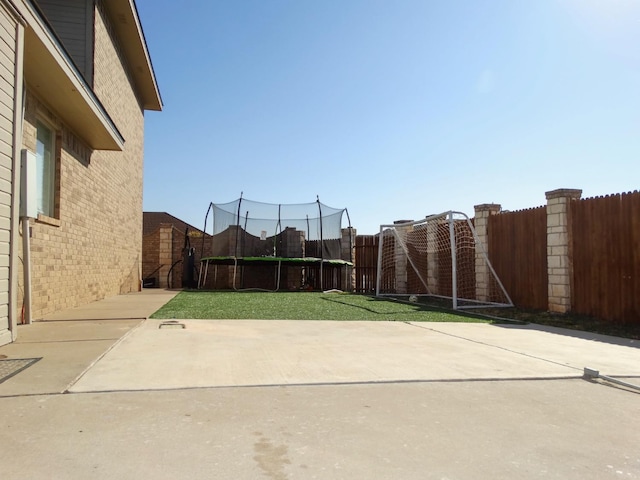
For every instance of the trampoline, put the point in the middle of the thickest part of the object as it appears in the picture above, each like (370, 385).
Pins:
(257, 245)
(277, 262)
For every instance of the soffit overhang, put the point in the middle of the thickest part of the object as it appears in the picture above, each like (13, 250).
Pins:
(126, 22)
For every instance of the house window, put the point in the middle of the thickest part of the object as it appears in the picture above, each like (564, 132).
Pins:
(46, 169)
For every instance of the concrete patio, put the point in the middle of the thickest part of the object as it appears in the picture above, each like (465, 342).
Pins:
(114, 395)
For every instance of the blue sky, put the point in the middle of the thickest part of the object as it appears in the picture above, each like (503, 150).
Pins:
(392, 109)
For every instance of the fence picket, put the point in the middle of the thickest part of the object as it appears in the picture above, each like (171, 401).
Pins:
(518, 253)
(606, 257)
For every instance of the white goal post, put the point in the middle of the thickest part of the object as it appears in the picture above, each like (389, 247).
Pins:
(440, 256)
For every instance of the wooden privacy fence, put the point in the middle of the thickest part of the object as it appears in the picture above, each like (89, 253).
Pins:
(517, 250)
(606, 257)
(366, 263)
(601, 257)
(518, 253)
(572, 255)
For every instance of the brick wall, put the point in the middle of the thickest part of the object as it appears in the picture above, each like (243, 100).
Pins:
(150, 259)
(158, 258)
(92, 249)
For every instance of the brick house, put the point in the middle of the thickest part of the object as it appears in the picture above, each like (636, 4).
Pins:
(163, 240)
(75, 80)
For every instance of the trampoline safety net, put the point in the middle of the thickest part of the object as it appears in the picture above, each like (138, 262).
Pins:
(285, 230)
(247, 231)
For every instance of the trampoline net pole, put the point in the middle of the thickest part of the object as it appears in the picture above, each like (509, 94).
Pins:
(242, 247)
(321, 245)
(235, 252)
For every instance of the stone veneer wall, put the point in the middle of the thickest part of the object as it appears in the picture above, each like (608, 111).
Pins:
(483, 274)
(401, 258)
(559, 248)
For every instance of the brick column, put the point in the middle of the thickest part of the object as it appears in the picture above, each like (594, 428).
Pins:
(401, 258)
(559, 260)
(432, 255)
(483, 275)
(165, 253)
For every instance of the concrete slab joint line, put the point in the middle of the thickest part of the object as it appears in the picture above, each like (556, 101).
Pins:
(82, 374)
(496, 346)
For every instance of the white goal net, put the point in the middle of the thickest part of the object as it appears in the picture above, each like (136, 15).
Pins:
(440, 256)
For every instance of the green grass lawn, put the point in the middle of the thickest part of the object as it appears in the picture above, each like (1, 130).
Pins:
(299, 306)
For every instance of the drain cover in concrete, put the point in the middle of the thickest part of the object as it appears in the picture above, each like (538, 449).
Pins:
(12, 366)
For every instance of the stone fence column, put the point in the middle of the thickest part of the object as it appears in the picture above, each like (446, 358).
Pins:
(401, 257)
(165, 253)
(483, 275)
(432, 256)
(559, 261)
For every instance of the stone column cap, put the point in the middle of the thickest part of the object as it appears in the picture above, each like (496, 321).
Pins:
(491, 207)
(572, 193)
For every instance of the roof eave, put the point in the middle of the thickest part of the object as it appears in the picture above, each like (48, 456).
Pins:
(126, 23)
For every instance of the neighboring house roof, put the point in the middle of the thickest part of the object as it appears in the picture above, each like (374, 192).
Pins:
(151, 222)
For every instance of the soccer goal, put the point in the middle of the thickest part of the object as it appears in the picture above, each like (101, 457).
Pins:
(440, 256)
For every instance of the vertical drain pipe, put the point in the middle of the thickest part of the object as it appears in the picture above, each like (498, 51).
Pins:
(19, 103)
(26, 255)
(28, 209)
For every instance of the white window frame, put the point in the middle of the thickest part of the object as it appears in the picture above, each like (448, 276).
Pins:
(46, 154)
